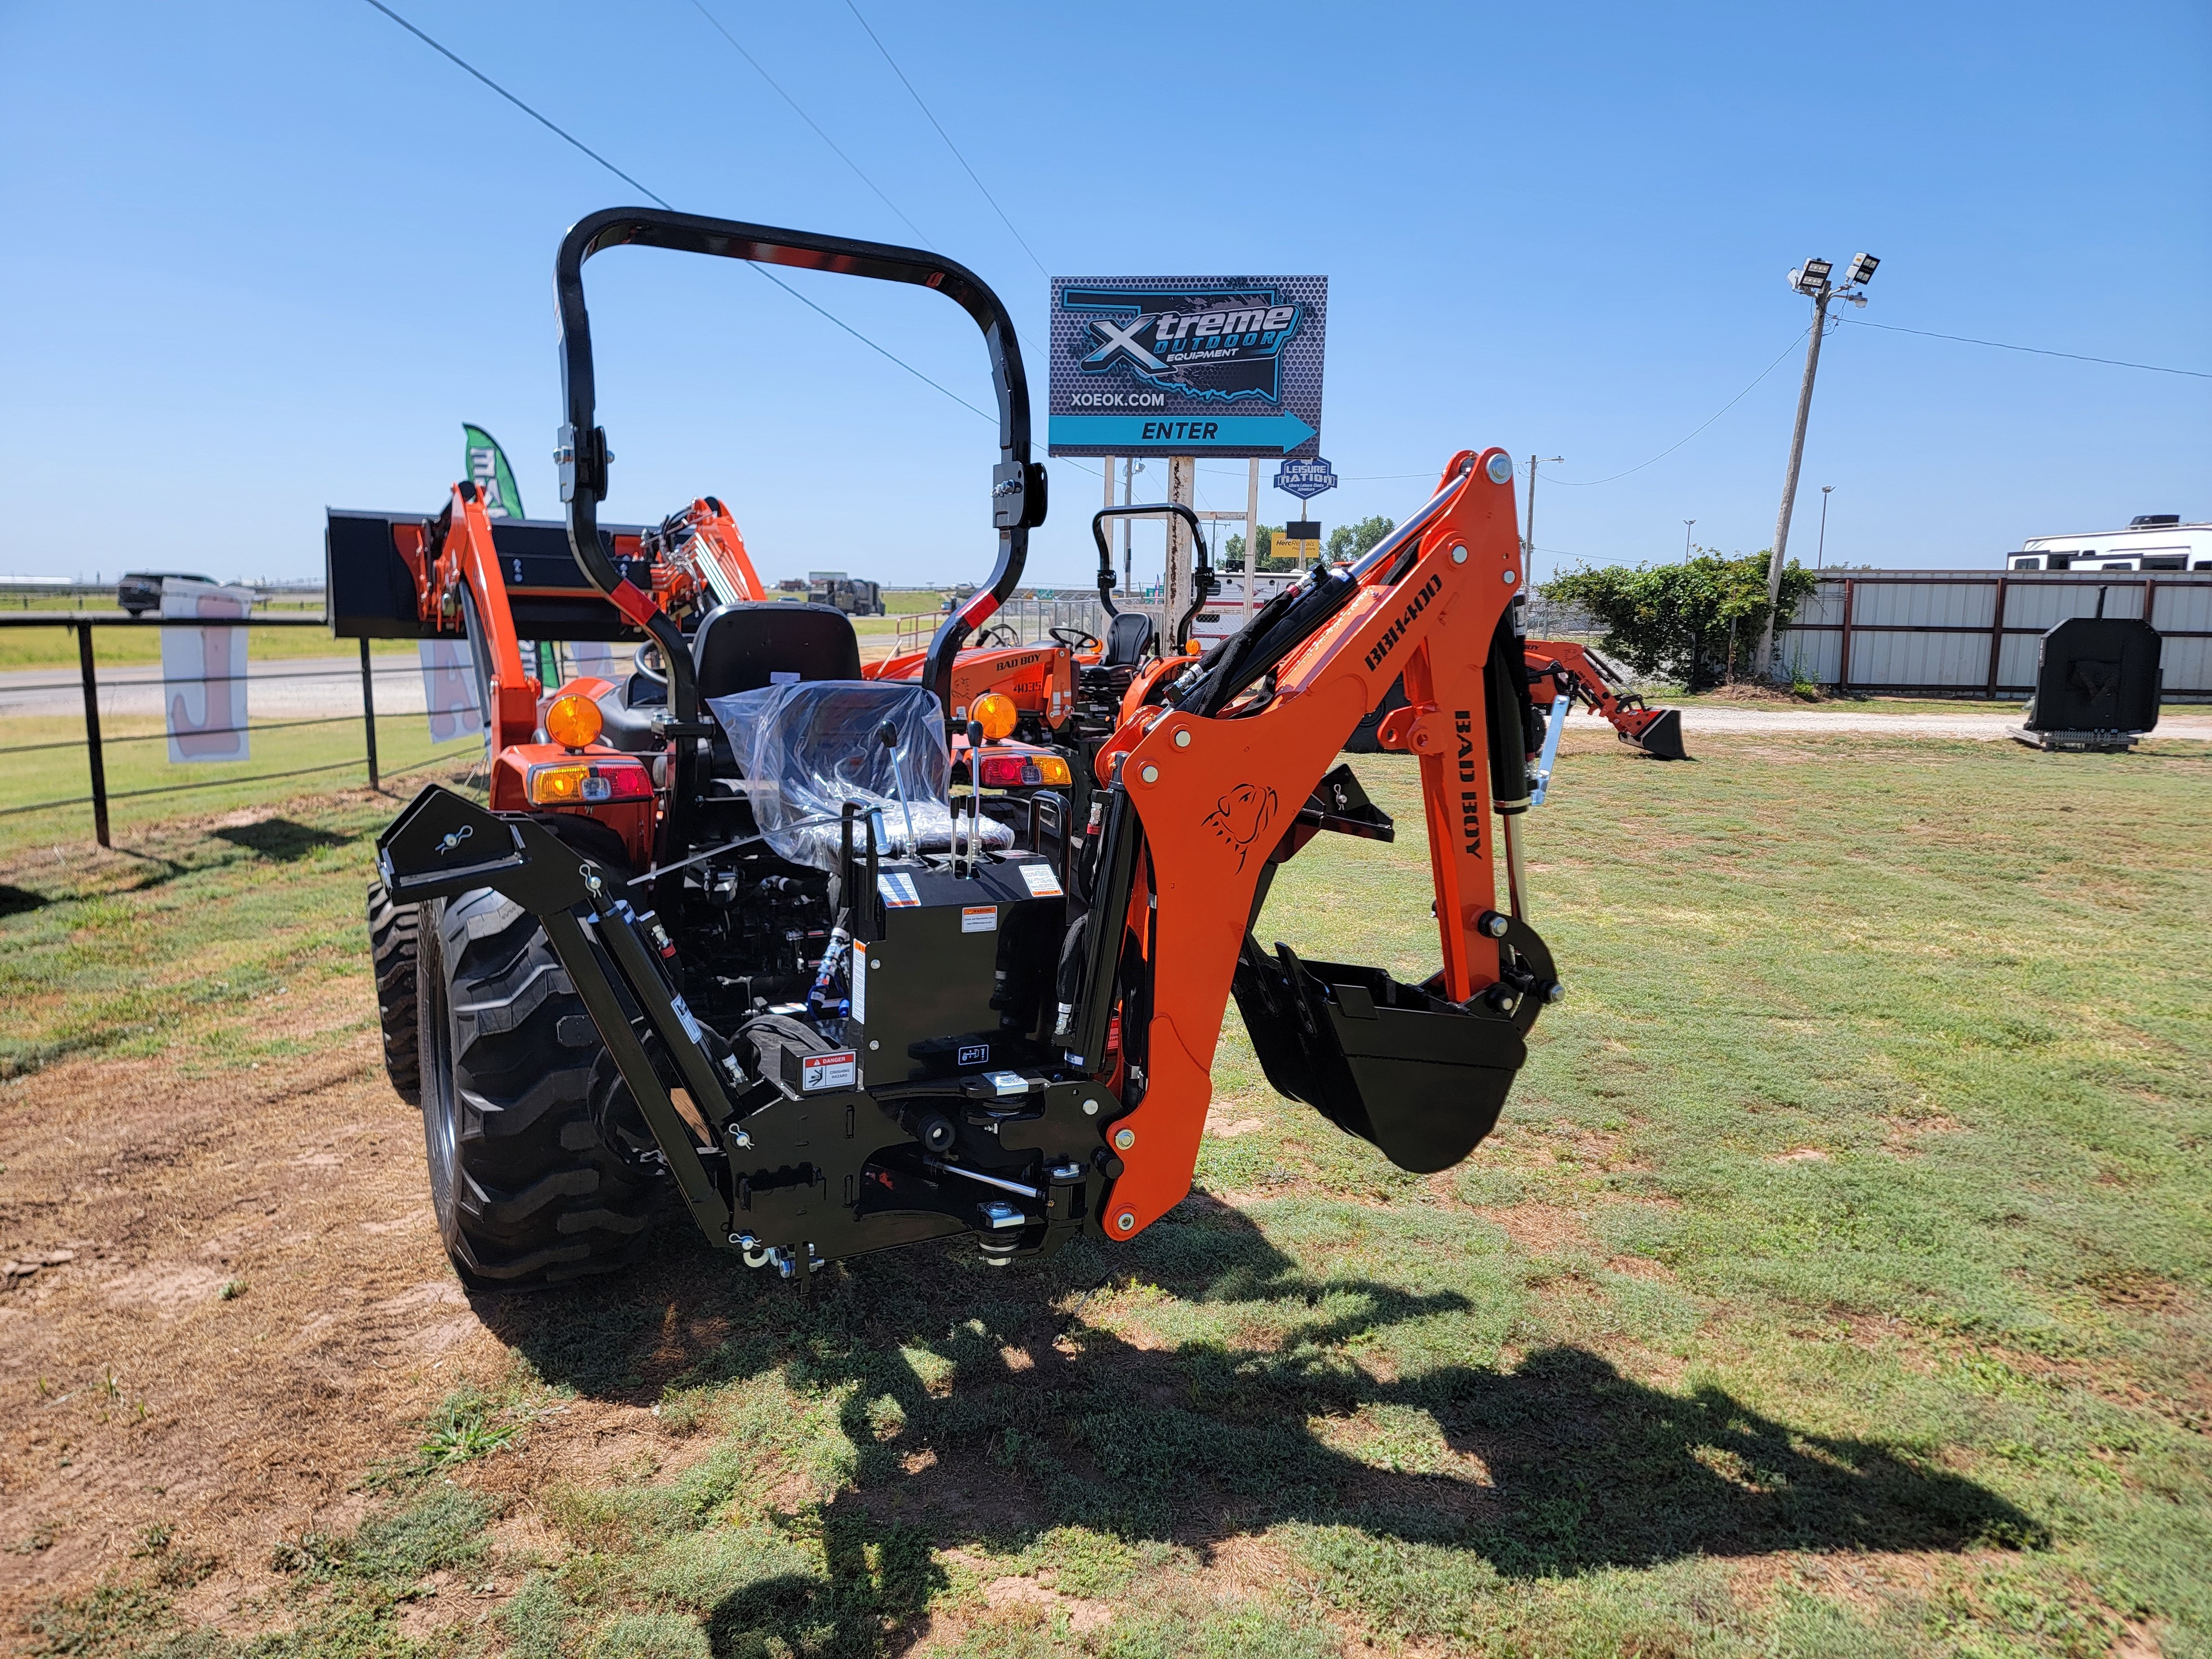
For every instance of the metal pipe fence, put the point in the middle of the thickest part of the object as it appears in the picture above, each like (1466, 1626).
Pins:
(96, 743)
(1030, 613)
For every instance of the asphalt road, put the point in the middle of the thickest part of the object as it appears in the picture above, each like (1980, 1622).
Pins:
(294, 689)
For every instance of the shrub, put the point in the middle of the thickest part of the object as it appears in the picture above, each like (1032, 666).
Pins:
(1698, 623)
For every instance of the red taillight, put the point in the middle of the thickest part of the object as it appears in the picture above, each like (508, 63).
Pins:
(594, 783)
(1023, 771)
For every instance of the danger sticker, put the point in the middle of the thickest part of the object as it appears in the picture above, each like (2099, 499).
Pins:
(979, 918)
(1042, 882)
(838, 1070)
(897, 888)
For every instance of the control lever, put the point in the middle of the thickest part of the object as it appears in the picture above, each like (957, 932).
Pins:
(974, 794)
(887, 735)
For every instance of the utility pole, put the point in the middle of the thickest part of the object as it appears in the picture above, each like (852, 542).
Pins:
(1820, 557)
(1810, 279)
(1687, 523)
(1528, 542)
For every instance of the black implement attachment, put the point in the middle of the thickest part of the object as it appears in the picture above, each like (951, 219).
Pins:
(1662, 739)
(1421, 1077)
(808, 1152)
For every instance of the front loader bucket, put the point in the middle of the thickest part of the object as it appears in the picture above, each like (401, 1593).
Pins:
(1662, 739)
(1422, 1078)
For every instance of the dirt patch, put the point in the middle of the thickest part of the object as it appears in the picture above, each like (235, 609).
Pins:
(2137, 1288)
(1543, 1229)
(1082, 1616)
(142, 1394)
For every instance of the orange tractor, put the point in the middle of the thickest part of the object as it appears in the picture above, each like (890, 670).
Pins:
(726, 932)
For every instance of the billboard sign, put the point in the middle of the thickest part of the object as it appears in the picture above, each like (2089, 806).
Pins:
(1305, 479)
(1186, 365)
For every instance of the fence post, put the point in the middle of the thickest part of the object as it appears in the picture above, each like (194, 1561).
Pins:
(92, 735)
(1996, 634)
(1844, 665)
(368, 714)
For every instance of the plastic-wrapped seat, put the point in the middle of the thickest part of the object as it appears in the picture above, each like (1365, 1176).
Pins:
(805, 749)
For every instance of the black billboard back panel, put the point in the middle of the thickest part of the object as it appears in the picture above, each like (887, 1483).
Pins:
(371, 592)
(2097, 674)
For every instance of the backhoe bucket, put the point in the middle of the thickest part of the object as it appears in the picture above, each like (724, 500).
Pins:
(1662, 739)
(1422, 1078)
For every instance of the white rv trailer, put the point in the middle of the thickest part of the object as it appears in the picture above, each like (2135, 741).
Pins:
(2152, 541)
(1224, 612)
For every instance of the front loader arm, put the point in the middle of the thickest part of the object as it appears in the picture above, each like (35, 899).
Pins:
(1569, 669)
(1214, 777)
(467, 590)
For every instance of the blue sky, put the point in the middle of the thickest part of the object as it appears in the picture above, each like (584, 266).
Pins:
(265, 258)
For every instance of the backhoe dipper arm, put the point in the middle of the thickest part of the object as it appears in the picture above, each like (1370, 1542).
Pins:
(1018, 483)
(1216, 778)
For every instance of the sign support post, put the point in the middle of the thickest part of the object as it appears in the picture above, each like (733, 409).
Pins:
(1182, 490)
(1251, 530)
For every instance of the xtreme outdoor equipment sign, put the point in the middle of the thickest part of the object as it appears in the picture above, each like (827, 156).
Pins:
(1186, 365)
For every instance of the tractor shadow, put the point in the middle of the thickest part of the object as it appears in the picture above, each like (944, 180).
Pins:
(280, 839)
(982, 1415)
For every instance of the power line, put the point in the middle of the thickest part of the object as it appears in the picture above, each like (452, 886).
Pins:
(1586, 483)
(512, 99)
(570, 138)
(2040, 351)
(945, 136)
(811, 122)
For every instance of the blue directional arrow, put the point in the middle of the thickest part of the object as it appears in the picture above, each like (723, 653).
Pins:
(1182, 435)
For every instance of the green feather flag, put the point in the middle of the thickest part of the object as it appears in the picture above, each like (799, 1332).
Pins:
(485, 467)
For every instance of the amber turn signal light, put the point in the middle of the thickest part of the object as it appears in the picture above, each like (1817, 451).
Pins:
(995, 713)
(574, 723)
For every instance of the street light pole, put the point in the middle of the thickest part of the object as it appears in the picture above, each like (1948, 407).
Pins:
(1810, 279)
(1820, 557)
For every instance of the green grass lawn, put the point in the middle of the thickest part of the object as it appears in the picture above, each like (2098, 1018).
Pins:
(128, 646)
(137, 758)
(1838, 1282)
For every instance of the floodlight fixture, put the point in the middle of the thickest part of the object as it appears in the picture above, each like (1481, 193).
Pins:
(1860, 271)
(1811, 277)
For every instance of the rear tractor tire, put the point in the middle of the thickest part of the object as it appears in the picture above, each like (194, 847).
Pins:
(393, 945)
(526, 1191)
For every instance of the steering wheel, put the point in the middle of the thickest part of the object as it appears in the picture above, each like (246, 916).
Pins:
(998, 633)
(646, 660)
(1074, 638)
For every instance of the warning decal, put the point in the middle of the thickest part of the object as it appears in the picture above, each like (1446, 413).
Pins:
(1043, 883)
(979, 918)
(839, 1069)
(897, 888)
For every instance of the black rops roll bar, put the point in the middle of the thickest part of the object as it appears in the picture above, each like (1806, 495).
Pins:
(1018, 483)
(1203, 582)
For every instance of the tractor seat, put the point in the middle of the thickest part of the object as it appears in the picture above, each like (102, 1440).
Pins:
(804, 748)
(743, 647)
(1128, 636)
